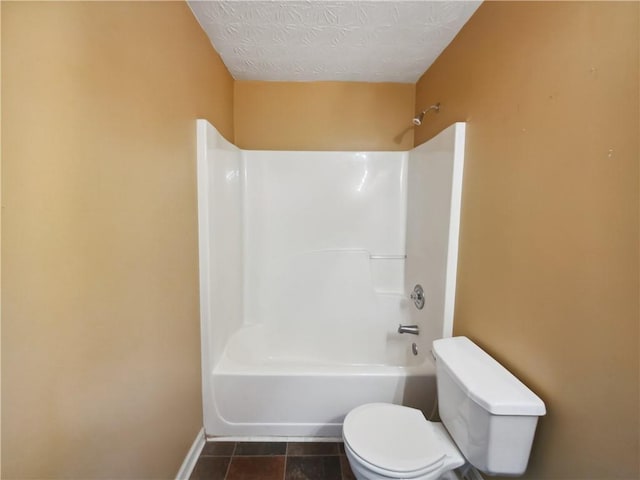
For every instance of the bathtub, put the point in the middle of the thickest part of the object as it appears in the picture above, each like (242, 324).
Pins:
(274, 383)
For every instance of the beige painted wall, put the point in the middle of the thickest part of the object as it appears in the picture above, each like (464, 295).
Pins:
(100, 332)
(548, 270)
(323, 115)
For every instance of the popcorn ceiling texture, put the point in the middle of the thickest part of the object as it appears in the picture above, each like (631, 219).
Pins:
(370, 41)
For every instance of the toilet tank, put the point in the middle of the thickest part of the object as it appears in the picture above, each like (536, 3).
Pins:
(489, 413)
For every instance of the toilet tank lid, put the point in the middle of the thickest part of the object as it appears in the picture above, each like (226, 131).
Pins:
(484, 380)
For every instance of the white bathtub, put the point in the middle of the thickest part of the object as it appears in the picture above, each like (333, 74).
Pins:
(269, 383)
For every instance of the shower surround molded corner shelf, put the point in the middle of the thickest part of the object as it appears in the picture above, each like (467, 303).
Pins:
(306, 264)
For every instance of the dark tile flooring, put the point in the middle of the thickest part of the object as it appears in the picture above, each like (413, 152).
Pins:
(272, 461)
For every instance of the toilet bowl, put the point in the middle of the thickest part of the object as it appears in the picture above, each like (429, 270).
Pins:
(488, 421)
(384, 441)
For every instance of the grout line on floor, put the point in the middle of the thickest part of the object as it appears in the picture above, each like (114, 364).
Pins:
(226, 474)
(277, 439)
(268, 455)
(286, 458)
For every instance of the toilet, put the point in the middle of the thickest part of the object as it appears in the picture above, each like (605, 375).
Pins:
(488, 418)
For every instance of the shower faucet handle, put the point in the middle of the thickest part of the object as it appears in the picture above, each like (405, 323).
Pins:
(418, 297)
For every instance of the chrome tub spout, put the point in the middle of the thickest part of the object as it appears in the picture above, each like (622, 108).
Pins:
(412, 329)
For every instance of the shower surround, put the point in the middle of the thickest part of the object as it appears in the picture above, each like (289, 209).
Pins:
(306, 264)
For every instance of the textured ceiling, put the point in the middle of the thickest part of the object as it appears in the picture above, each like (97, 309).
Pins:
(370, 41)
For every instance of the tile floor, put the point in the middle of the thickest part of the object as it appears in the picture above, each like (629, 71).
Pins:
(272, 461)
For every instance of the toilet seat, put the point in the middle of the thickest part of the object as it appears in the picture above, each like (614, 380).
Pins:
(393, 440)
(352, 456)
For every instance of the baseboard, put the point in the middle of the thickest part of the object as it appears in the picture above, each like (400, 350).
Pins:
(191, 459)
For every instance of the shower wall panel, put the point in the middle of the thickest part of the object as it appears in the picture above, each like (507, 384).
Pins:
(433, 219)
(220, 228)
(324, 234)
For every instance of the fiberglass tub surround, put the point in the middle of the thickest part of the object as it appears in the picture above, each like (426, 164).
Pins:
(307, 260)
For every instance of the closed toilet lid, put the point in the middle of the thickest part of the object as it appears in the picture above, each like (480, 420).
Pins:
(393, 437)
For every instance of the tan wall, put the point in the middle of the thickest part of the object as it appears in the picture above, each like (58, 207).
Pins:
(100, 333)
(548, 272)
(323, 115)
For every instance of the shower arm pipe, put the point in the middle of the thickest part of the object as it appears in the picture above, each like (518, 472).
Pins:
(417, 120)
(435, 106)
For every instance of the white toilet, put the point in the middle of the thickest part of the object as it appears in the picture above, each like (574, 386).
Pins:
(488, 418)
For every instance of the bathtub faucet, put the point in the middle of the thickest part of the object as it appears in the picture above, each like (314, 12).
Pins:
(412, 329)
